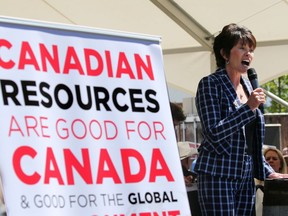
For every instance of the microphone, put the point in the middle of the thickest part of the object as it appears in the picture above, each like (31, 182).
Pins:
(252, 76)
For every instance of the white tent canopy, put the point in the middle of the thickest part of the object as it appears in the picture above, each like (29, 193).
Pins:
(186, 27)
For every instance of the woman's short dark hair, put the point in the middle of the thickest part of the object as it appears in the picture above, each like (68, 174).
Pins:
(229, 36)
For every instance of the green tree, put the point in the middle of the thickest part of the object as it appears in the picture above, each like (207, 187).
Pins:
(279, 87)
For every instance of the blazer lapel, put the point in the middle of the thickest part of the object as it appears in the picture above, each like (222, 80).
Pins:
(229, 88)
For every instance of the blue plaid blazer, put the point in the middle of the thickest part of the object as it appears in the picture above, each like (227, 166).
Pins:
(223, 118)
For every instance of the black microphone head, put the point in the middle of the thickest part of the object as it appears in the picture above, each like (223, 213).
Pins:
(251, 74)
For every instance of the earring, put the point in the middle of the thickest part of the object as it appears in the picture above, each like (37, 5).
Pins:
(227, 62)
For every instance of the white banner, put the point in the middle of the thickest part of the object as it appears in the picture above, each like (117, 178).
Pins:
(86, 127)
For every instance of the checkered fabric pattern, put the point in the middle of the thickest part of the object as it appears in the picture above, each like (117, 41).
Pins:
(222, 152)
(227, 197)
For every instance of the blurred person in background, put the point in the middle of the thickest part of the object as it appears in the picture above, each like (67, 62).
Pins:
(185, 153)
(177, 116)
(276, 160)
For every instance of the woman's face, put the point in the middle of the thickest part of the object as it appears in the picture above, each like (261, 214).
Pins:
(273, 159)
(240, 57)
